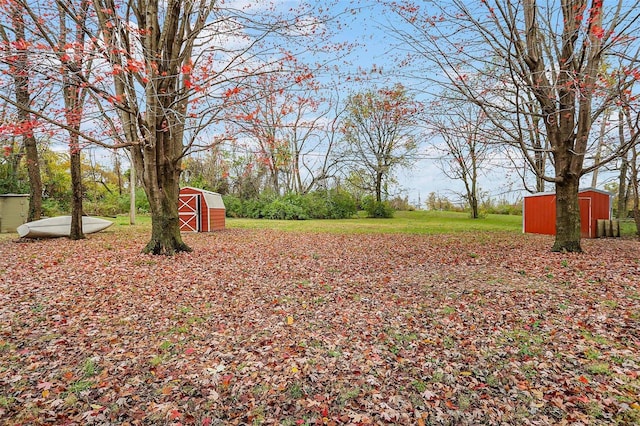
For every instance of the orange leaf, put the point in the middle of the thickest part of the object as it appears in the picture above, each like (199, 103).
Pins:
(226, 380)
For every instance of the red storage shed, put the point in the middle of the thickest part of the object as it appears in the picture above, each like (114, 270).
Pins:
(539, 211)
(200, 210)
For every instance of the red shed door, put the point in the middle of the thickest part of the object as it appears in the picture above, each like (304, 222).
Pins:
(586, 219)
(189, 212)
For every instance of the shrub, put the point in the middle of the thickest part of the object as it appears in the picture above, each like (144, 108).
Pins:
(341, 205)
(52, 207)
(233, 206)
(288, 207)
(142, 203)
(316, 205)
(377, 209)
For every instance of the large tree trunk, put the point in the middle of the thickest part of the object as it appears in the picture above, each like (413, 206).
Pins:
(165, 223)
(567, 217)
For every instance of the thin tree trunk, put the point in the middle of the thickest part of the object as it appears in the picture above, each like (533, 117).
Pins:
(603, 128)
(634, 182)
(132, 192)
(379, 187)
(624, 167)
(76, 189)
(118, 171)
(475, 214)
(622, 189)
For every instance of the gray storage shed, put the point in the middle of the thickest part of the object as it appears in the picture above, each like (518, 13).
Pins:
(14, 210)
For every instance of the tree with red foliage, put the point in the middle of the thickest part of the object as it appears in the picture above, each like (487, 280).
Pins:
(164, 72)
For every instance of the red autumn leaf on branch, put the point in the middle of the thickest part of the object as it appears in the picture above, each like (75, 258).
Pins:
(230, 92)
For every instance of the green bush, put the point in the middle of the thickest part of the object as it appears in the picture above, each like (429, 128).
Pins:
(340, 204)
(233, 206)
(316, 205)
(289, 207)
(52, 207)
(377, 209)
(111, 204)
(252, 209)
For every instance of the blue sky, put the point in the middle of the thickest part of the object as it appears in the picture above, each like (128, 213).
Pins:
(375, 47)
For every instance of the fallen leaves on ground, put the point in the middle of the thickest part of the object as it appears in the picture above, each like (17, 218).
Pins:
(266, 327)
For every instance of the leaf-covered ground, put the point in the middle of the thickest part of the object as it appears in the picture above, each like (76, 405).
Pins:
(266, 327)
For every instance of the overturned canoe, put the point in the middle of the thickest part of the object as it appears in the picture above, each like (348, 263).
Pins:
(60, 226)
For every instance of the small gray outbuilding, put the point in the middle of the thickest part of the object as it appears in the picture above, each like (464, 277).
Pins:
(14, 210)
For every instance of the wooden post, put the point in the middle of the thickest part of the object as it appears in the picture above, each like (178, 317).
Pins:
(600, 231)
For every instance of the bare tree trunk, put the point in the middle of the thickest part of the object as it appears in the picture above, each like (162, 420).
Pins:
(35, 181)
(165, 224)
(622, 189)
(118, 171)
(473, 202)
(539, 154)
(76, 190)
(475, 214)
(635, 190)
(379, 187)
(598, 157)
(567, 217)
(132, 192)
(624, 167)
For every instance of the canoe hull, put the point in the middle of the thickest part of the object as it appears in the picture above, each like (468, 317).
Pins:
(60, 226)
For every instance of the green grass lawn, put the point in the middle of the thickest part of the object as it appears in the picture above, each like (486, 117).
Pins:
(416, 222)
